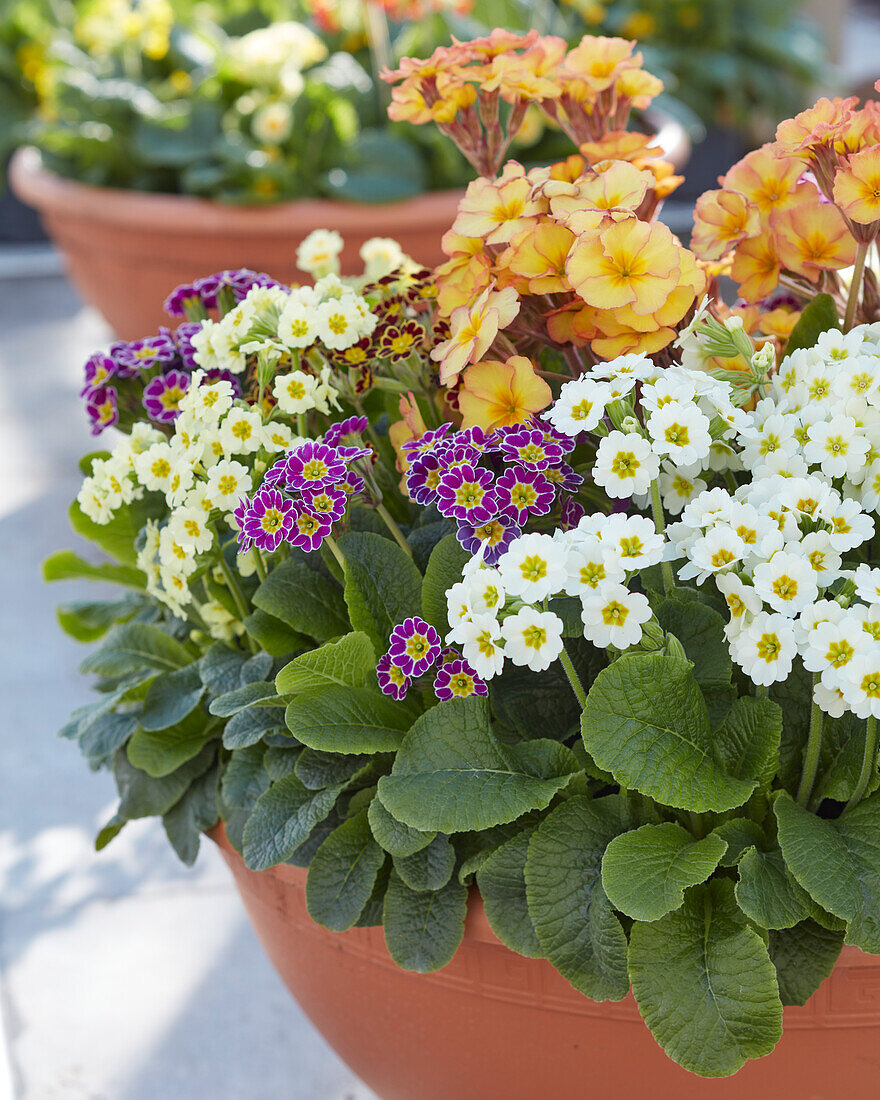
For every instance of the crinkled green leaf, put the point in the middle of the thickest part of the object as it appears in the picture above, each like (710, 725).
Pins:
(272, 635)
(305, 600)
(348, 720)
(142, 795)
(132, 647)
(452, 774)
(220, 669)
(342, 874)
(382, 585)
(172, 696)
(768, 893)
(430, 867)
(445, 564)
(191, 815)
(224, 706)
(160, 752)
(804, 956)
(646, 872)
(244, 777)
(250, 725)
(282, 820)
(645, 721)
(345, 663)
(327, 769)
(423, 928)
(396, 838)
(739, 834)
(747, 741)
(705, 984)
(89, 620)
(575, 924)
(502, 882)
(700, 630)
(65, 565)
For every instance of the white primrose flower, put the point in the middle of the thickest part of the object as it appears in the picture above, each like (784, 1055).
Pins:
(295, 392)
(632, 365)
(480, 644)
(202, 341)
(868, 490)
(279, 437)
(850, 526)
(867, 582)
(787, 582)
(822, 556)
(485, 592)
(189, 525)
(174, 591)
(719, 549)
(271, 124)
(339, 322)
(532, 638)
(94, 500)
(155, 467)
(625, 464)
(580, 406)
(297, 325)
(614, 616)
(589, 564)
(458, 612)
(829, 700)
(831, 646)
(834, 346)
(241, 431)
(761, 440)
(533, 567)
(680, 432)
(860, 683)
(836, 447)
(765, 648)
(859, 377)
(180, 557)
(632, 541)
(868, 616)
(678, 485)
(318, 254)
(227, 483)
(381, 256)
(206, 403)
(822, 611)
(743, 602)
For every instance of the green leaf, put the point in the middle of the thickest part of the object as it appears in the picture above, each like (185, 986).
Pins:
(837, 863)
(346, 663)
(430, 868)
(382, 585)
(502, 882)
(244, 778)
(819, 316)
(282, 760)
(171, 698)
(701, 631)
(452, 774)
(250, 725)
(142, 795)
(272, 635)
(739, 834)
(573, 919)
(767, 891)
(89, 620)
(118, 537)
(327, 769)
(705, 984)
(101, 738)
(343, 873)
(804, 956)
(348, 720)
(841, 756)
(224, 706)
(445, 564)
(220, 669)
(160, 752)
(65, 565)
(646, 722)
(396, 838)
(191, 815)
(646, 872)
(747, 742)
(283, 818)
(423, 929)
(131, 647)
(307, 601)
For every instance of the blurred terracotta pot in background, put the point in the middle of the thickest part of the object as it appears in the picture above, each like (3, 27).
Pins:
(495, 1025)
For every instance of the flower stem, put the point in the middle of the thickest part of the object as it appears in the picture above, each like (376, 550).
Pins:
(811, 754)
(869, 761)
(660, 525)
(393, 528)
(855, 286)
(260, 563)
(336, 552)
(576, 686)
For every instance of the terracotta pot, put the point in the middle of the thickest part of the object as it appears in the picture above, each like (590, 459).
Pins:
(126, 250)
(495, 1025)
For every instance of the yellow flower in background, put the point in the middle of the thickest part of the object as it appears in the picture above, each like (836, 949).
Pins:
(495, 394)
(767, 179)
(641, 24)
(857, 187)
(496, 210)
(756, 267)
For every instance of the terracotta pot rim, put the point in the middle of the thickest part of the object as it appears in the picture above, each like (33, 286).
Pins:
(477, 926)
(42, 188)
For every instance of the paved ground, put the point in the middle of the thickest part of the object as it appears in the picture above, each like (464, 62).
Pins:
(123, 975)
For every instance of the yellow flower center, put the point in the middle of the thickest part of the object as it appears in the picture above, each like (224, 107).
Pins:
(768, 647)
(615, 613)
(785, 587)
(533, 568)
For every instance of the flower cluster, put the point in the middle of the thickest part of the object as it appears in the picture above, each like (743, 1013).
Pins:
(800, 210)
(414, 653)
(493, 484)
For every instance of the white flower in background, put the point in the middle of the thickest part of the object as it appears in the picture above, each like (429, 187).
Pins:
(339, 322)
(198, 499)
(147, 559)
(533, 567)
(225, 344)
(174, 590)
(182, 479)
(681, 433)
(202, 341)
(189, 525)
(580, 406)
(480, 645)
(625, 464)
(836, 346)
(787, 582)
(614, 616)
(155, 467)
(228, 482)
(485, 592)
(381, 256)
(241, 431)
(850, 526)
(279, 437)
(532, 638)
(458, 612)
(260, 56)
(633, 365)
(318, 254)
(206, 402)
(94, 502)
(223, 626)
(860, 683)
(272, 123)
(632, 541)
(175, 555)
(743, 602)
(867, 582)
(297, 325)
(295, 392)
(765, 648)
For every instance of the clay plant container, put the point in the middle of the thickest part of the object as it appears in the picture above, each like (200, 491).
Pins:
(126, 250)
(495, 1025)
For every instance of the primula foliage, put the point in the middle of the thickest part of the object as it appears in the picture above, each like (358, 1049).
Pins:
(419, 655)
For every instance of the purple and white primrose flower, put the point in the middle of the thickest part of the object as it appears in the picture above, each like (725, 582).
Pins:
(522, 492)
(352, 428)
(98, 370)
(467, 493)
(531, 447)
(494, 536)
(268, 520)
(457, 680)
(101, 408)
(330, 503)
(163, 394)
(392, 680)
(414, 646)
(310, 528)
(313, 466)
(141, 355)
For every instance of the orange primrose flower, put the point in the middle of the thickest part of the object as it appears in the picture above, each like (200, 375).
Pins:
(496, 210)
(495, 394)
(767, 178)
(756, 267)
(412, 426)
(813, 239)
(721, 220)
(857, 187)
(539, 254)
(474, 328)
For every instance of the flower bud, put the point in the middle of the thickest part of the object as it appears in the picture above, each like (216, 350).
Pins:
(673, 647)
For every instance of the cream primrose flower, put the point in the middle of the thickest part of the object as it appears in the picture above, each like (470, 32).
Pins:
(295, 392)
(189, 525)
(202, 341)
(831, 646)
(272, 123)
(485, 593)
(825, 560)
(625, 464)
(94, 501)
(381, 256)
(180, 557)
(155, 467)
(860, 683)
(339, 322)
(743, 602)
(719, 549)
(822, 611)
(147, 558)
(867, 582)
(614, 616)
(227, 483)
(836, 447)
(278, 436)
(174, 592)
(765, 649)
(787, 582)
(632, 541)
(222, 625)
(480, 644)
(533, 567)
(532, 638)
(589, 564)
(679, 485)
(241, 431)
(632, 365)
(850, 526)
(580, 406)
(318, 254)
(298, 322)
(829, 700)
(458, 612)
(680, 432)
